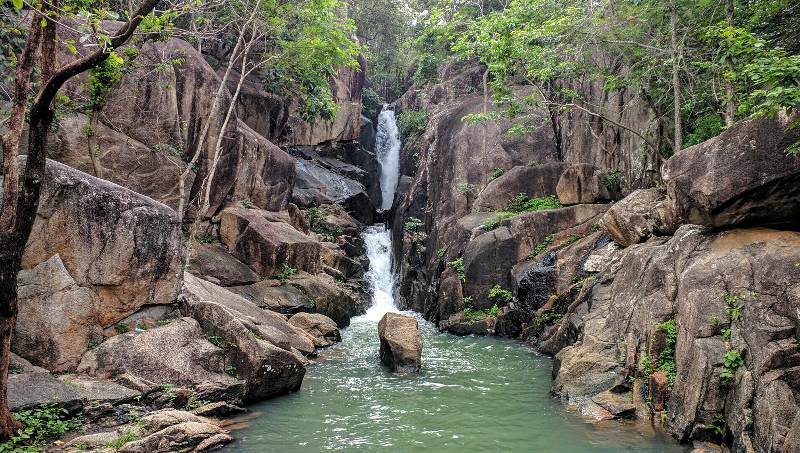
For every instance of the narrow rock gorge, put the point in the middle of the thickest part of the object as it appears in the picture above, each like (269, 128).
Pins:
(358, 226)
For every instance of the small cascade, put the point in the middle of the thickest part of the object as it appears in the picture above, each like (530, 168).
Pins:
(388, 151)
(380, 278)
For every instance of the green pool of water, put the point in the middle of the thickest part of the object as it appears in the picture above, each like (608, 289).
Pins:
(474, 394)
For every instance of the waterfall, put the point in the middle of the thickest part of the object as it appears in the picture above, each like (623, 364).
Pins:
(377, 238)
(388, 150)
(379, 277)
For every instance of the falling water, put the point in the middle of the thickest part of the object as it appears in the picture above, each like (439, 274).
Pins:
(388, 150)
(379, 278)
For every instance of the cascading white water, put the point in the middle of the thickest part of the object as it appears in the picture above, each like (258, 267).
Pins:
(379, 277)
(377, 239)
(387, 146)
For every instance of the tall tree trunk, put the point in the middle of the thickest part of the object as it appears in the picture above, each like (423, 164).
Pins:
(676, 77)
(10, 254)
(730, 93)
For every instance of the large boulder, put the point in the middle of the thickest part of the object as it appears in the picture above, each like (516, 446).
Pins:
(212, 262)
(735, 290)
(401, 342)
(329, 297)
(163, 431)
(265, 244)
(346, 86)
(741, 177)
(317, 185)
(58, 320)
(643, 213)
(265, 175)
(581, 183)
(29, 386)
(147, 169)
(166, 109)
(261, 346)
(123, 246)
(271, 295)
(178, 354)
(320, 327)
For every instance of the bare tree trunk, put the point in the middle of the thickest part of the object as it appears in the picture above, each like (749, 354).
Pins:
(730, 93)
(676, 79)
(94, 148)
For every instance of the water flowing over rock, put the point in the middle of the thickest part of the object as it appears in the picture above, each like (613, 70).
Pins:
(388, 150)
(401, 342)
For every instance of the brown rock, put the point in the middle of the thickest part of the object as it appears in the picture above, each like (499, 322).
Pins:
(620, 405)
(57, 319)
(265, 245)
(328, 297)
(658, 390)
(285, 299)
(265, 174)
(580, 183)
(401, 342)
(535, 181)
(642, 214)
(212, 262)
(460, 325)
(121, 245)
(742, 176)
(191, 360)
(320, 327)
(262, 348)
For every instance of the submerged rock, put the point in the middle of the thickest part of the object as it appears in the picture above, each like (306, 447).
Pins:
(401, 342)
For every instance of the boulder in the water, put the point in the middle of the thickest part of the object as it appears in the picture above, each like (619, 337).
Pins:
(401, 342)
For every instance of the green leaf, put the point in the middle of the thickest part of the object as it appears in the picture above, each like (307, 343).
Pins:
(17, 3)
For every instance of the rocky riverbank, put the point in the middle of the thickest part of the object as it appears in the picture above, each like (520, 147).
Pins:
(664, 292)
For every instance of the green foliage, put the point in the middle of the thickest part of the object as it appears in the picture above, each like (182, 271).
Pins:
(39, 425)
(731, 361)
(467, 188)
(726, 333)
(207, 238)
(121, 327)
(412, 122)
(371, 103)
(542, 246)
(458, 265)
(124, 438)
(719, 426)
(413, 225)
(285, 273)
(246, 204)
(522, 203)
(734, 308)
(217, 341)
(498, 292)
(231, 371)
(666, 360)
(569, 240)
(440, 253)
(706, 126)
(611, 179)
(102, 79)
(496, 173)
(547, 318)
(195, 403)
(427, 70)
(327, 231)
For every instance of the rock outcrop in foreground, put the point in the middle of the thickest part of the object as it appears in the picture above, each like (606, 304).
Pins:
(401, 343)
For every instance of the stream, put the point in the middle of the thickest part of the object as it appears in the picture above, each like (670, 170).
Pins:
(474, 394)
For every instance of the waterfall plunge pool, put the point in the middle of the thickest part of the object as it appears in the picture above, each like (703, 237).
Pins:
(474, 394)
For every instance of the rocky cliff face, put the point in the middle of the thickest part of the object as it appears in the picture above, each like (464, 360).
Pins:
(677, 303)
(104, 289)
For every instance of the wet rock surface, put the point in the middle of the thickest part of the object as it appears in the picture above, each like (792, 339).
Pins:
(401, 343)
